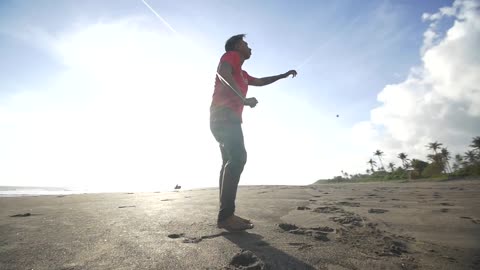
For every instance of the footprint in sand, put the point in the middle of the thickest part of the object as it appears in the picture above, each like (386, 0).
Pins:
(349, 219)
(377, 211)
(393, 247)
(319, 233)
(303, 208)
(247, 260)
(311, 200)
(444, 210)
(328, 209)
(166, 200)
(447, 204)
(21, 215)
(351, 204)
(300, 246)
(451, 259)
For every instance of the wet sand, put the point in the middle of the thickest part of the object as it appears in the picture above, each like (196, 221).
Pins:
(429, 225)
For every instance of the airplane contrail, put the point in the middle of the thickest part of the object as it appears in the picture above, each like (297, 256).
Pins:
(175, 32)
(160, 17)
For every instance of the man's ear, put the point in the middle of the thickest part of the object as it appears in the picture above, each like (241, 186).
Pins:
(237, 45)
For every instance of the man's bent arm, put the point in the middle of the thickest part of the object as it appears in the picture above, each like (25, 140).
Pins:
(225, 75)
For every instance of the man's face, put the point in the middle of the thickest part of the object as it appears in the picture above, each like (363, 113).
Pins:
(243, 49)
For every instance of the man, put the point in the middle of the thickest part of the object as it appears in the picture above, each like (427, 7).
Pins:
(229, 98)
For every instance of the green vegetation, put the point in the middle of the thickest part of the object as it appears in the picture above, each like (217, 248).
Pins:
(438, 166)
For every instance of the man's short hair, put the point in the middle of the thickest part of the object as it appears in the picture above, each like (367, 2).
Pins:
(231, 42)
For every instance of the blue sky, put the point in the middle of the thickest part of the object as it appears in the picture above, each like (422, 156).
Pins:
(349, 40)
(110, 77)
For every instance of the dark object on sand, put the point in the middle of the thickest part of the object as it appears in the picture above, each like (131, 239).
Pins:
(22, 215)
(287, 227)
(175, 235)
(126, 206)
(247, 260)
(178, 187)
(377, 211)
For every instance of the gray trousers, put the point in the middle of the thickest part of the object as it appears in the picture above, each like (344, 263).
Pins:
(229, 135)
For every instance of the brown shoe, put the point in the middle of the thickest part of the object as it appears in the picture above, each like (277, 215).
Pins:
(233, 224)
(242, 219)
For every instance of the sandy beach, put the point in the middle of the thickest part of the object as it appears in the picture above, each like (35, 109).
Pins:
(426, 225)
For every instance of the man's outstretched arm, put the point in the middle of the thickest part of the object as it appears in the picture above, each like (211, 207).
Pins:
(268, 80)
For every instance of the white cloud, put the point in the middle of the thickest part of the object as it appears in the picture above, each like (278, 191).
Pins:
(439, 100)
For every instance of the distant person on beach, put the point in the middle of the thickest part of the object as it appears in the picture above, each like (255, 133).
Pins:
(229, 98)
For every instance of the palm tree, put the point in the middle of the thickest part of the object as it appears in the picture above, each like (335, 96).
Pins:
(459, 162)
(404, 159)
(368, 171)
(434, 146)
(446, 157)
(435, 158)
(379, 154)
(476, 144)
(372, 164)
(470, 156)
(455, 167)
(391, 166)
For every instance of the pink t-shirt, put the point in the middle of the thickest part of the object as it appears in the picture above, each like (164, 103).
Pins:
(223, 95)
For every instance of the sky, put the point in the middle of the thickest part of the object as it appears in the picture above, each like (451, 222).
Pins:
(106, 95)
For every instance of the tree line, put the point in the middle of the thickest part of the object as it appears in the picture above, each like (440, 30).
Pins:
(439, 163)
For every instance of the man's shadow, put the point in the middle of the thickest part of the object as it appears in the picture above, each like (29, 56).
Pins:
(272, 257)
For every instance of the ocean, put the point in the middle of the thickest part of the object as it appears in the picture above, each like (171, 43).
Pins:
(17, 191)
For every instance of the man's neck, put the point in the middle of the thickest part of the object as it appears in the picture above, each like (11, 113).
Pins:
(242, 59)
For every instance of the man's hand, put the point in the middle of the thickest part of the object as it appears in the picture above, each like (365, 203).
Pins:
(251, 102)
(290, 72)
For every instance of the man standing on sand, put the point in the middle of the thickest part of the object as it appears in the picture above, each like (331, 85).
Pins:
(229, 98)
